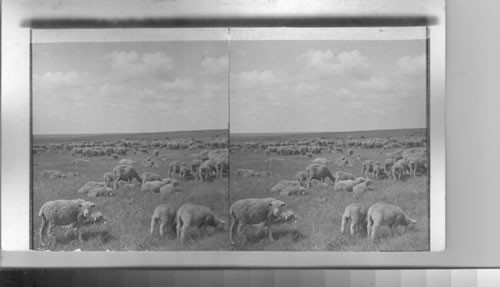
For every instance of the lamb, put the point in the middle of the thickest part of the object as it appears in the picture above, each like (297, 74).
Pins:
(283, 184)
(155, 186)
(254, 211)
(318, 171)
(196, 216)
(293, 190)
(168, 188)
(347, 185)
(109, 177)
(362, 187)
(342, 175)
(64, 212)
(356, 214)
(301, 177)
(164, 214)
(100, 192)
(149, 176)
(89, 186)
(125, 172)
(380, 214)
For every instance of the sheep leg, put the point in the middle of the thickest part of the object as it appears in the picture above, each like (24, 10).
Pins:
(344, 222)
(353, 228)
(374, 231)
(369, 227)
(162, 227)
(231, 229)
(179, 227)
(153, 223)
(269, 233)
(183, 233)
(79, 232)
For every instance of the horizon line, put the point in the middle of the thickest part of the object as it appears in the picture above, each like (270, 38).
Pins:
(310, 132)
(120, 133)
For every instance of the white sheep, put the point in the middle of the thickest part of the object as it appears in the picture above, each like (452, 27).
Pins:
(89, 186)
(155, 186)
(101, 191)
(399, 169)
(342, 175)
(149, 176)
(380, 214)
(354, 213)
(169, 188)
(163, 214)
(362, 187)
(62, 213)
(347, 185)
(301, 177)
(293, 190)
(254, 211)
(283, 184)
(193, 215)
(109, 178)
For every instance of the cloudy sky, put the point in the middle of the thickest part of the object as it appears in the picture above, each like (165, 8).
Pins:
(301, 86)
(129, 87)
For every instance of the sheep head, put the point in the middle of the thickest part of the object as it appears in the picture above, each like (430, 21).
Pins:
(86, 208)
(276, 207)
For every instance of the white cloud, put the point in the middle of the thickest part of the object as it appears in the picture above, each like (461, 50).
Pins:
(304, 88)
(132, 64)
(412, 65)
(375, 83)
(178, 85)
(255, 78)
(326, 62)
(215, 66)
(57, 80)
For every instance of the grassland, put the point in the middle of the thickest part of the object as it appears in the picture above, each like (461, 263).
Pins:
(129, 212)
(320, 212)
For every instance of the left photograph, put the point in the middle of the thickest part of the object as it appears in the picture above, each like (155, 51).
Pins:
(130, 146)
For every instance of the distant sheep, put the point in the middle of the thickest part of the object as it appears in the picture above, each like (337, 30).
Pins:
(254, 211)
(89, 186)
(192, 215)
(354, 213)
(103, 191)
(64, 212)
(282, 185)
(127, 161)
(347, 185)
(164, 215)
(79, 160)
(149, 176)
(321, 160)
(126, 173)
(399, 169)
(342, 175)
(155, 186)
(318, 171)
(293, 190)
(380, 214)
(362, 187)
(169, 188)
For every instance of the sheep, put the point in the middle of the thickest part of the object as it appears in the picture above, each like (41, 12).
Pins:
(196, 216)
(283, 184)
(273, 160)
(149, 176)
(342, 175)
(174, 168)
(100, 192)
(356, 214)
(185, 173)
(89, 186)
(63, 212)
(321, 160)
(369, 166)
(78, 160)
(380, 214)
(285, 217)
(254, 211)
(362, 187)
(293, 190)
(125, 172)
(95, 218)
(301, 177)
(221, 163)
(53, 174)
(347, 185)
(155, 186)
(399, 169)
(318, 171)
(164, 214)
(417, 162)
(109, 177)
(168, 188)
(205, 170)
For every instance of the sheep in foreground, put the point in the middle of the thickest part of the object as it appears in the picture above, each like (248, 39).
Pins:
(193, 215)
(342, 175)
(318, 171)
(103, 191)
(155, 186)
(362, 187)
(354, 213)
(62, 213)
(254, 211)
(126, 173)
(293, 190)
(301, 177)
(89, 186)
(163, 214)
(149, 176)
(347, 185)
(282, 185)
(380, 214)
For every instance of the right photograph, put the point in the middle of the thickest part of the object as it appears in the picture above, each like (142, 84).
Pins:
(329, 144)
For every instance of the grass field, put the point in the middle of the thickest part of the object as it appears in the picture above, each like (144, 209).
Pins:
(129, 212)
(320, 212)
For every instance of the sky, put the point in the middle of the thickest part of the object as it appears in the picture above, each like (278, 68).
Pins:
(127, 87)
(316, 86)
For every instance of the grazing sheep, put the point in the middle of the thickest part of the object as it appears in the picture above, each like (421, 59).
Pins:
(221, 163)
(174, 168)
(254, 211)
(318, 171)
(155, 186)
(185, 173)
(126, 173)
(369, 166)
(64, 212)
(285, 217)
(164, 214)
(196, 216)
(149, 176)
(380, 214)
(109, 177)
(378, 171)
(100, 192)
(301, 177)
(388, 163)
(399, 169)
(362, 187)
(347, 185)
(169, 188)
(342, 175)
(417, 163)
(283, 184)
(293, 190)
(195, 165)
(127, 161)
(356, 214)
(89, 186)
(205, 171)
(321, 160)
